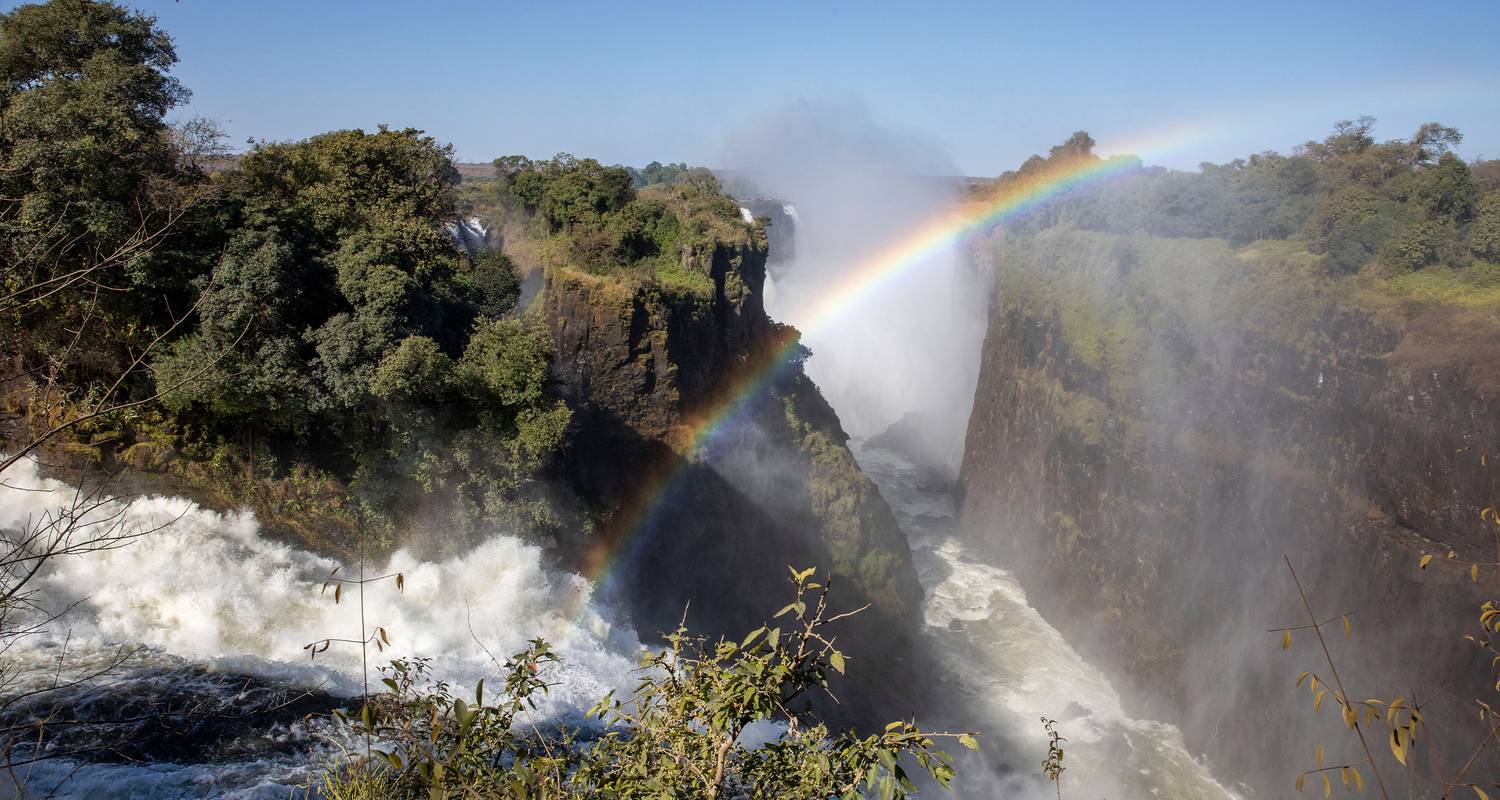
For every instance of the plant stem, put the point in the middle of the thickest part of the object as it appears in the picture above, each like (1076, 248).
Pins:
(364, 644)
(1333, 670)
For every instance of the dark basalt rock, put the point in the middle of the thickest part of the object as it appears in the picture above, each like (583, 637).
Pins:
(1145, 503)
(711, 526)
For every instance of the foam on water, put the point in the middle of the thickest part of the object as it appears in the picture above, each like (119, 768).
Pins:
(1012, 667)
(208, 590)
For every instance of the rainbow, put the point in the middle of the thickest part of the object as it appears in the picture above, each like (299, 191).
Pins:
(1017, 196)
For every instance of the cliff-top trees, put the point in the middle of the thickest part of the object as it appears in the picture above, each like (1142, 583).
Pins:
(1405, 203)
(346, 317)
(588, 216)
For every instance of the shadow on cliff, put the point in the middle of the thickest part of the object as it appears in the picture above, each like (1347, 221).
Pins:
(681, 538)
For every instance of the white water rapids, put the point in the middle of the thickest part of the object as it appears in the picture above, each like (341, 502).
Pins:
(212, 599)
(1010, 667)
(219, 608)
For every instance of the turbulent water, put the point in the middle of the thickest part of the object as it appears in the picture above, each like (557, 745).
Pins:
(214, 617)
(1011, 668)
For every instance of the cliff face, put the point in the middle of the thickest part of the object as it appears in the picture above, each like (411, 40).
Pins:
(1158, 421)
(647, 353)
(640, 363)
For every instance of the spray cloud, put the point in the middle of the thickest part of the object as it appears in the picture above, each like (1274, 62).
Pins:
(856, 188)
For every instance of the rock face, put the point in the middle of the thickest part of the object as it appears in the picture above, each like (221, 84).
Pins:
(647, 354)
(715, 521)
(1157, 422)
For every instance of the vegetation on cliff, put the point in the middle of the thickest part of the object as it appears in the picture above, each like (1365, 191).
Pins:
(661, 224)
(302, 320)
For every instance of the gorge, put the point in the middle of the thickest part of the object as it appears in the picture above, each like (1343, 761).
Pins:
(1091, 479)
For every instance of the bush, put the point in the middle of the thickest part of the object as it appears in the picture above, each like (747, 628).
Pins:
(678, 735)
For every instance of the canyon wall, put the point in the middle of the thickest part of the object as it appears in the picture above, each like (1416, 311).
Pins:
(1159, 421)
(711, 523)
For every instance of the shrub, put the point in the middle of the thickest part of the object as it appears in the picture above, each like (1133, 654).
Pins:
(678, 735)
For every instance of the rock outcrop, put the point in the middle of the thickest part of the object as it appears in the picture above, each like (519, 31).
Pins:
(714, 521)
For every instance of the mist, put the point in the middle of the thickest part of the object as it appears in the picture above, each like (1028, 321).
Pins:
(909, 347)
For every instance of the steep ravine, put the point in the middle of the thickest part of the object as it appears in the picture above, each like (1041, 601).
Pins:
(710, 524)
(1158, 421)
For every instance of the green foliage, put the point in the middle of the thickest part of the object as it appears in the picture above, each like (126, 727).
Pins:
(1348, 197)
(505, 364)
(1417, 245)
(657, 173)
(1484, 233)
(1350, 227)
(578, 214)
(1446, 191)
(415, 371)
(680, 733)
(339, 182)
(496, 286)
(83, 93)
(1475, 286)
(566, 192)
(91, 188)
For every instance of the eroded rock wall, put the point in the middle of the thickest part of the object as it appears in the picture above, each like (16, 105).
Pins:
(712, 522)
(1158, 422)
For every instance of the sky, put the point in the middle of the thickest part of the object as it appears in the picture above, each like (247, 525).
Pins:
(985, 84)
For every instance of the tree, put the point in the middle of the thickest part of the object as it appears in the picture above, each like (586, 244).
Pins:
(1446, 191)
(92, 194)
(567, 193)
(1484, 232)
(495, 283)
(1348, 137)
(1079, 145)
(1431, 141)
(1350, 227)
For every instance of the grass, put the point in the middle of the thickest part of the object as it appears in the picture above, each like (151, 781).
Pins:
(671, 274)
(1473, 287)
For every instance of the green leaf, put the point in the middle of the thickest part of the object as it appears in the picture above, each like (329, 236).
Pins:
(836, 660)
(968, 741)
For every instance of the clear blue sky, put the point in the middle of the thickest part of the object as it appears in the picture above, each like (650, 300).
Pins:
(630, 81)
